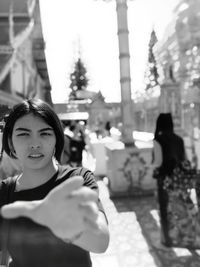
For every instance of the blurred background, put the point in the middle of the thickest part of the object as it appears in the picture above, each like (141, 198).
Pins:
(72, 55)
(108, 68)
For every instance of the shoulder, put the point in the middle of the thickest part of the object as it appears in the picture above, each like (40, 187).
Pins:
(178, 138)
(4, 183)
(3, 190)
(158, 140)
(2, 186)
(66, 172)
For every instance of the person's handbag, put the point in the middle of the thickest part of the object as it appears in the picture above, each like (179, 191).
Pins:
(4, 259)
(183, 211)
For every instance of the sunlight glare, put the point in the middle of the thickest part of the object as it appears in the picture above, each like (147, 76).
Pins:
(90, 27)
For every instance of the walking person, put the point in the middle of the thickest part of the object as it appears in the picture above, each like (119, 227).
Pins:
(56, 217)
(77, 145)
(168, 151)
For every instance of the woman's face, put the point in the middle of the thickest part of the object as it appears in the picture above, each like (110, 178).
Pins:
(34, 142)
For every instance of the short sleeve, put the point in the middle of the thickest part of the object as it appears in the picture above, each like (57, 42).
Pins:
(89, 178)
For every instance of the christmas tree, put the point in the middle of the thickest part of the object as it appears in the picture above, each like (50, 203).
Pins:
(79, 80)
(151, 74)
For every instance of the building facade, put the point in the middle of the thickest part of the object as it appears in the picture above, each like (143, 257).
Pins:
(23, 68)
(98, 111)
(178, 57)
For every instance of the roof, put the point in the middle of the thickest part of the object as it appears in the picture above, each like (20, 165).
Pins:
(5, 61)
(74, 116)
(19, 6)
(21, 18)
(39, 48)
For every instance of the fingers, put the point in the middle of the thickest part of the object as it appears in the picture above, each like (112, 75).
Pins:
(19, 208)
(49, 211)
(90, 210)
(90, 213)
(67, 187)
(91, 225)
(85, 194)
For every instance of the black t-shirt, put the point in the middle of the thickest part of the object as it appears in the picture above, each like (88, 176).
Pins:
(33, 245)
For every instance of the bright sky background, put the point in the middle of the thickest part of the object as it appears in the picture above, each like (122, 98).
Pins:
(91, 27)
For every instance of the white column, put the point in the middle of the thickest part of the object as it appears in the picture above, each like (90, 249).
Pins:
(125, 79)
(128, 168)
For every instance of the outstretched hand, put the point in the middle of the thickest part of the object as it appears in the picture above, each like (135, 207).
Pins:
(67, 210)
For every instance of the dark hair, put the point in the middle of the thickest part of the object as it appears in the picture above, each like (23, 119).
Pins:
(40, 109)
(164, 124)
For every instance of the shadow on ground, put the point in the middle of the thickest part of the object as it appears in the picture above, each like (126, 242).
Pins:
(146, 213)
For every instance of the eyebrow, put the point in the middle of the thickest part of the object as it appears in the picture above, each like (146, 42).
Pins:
(27, 130)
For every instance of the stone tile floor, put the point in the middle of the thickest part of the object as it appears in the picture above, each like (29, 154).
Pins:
(135, 236)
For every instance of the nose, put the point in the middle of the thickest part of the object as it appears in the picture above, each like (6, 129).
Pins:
(34, 144)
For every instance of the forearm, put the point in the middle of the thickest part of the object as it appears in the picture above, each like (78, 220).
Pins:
(95, 240)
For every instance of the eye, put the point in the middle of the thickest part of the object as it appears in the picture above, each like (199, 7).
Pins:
(46, 134)
(22, 134)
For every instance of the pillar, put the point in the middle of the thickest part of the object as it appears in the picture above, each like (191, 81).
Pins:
(128, 168)
(125, 77)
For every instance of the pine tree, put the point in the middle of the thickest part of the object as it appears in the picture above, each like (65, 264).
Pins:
(151, 74)
(79, 80)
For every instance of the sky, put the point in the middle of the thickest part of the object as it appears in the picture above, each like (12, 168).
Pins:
(89, 28)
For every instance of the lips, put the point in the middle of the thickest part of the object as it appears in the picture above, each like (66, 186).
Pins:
(35, 156)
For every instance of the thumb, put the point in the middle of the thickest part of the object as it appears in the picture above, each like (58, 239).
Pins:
(19, 208)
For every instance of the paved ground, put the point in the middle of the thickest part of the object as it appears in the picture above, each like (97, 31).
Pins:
(135, 236)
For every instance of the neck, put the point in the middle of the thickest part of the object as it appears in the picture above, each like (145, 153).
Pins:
(31, 178)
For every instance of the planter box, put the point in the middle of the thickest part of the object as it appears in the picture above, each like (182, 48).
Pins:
(129, 170)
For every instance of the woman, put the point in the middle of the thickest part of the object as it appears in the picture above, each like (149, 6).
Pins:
(56, 218)
(168, 151)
